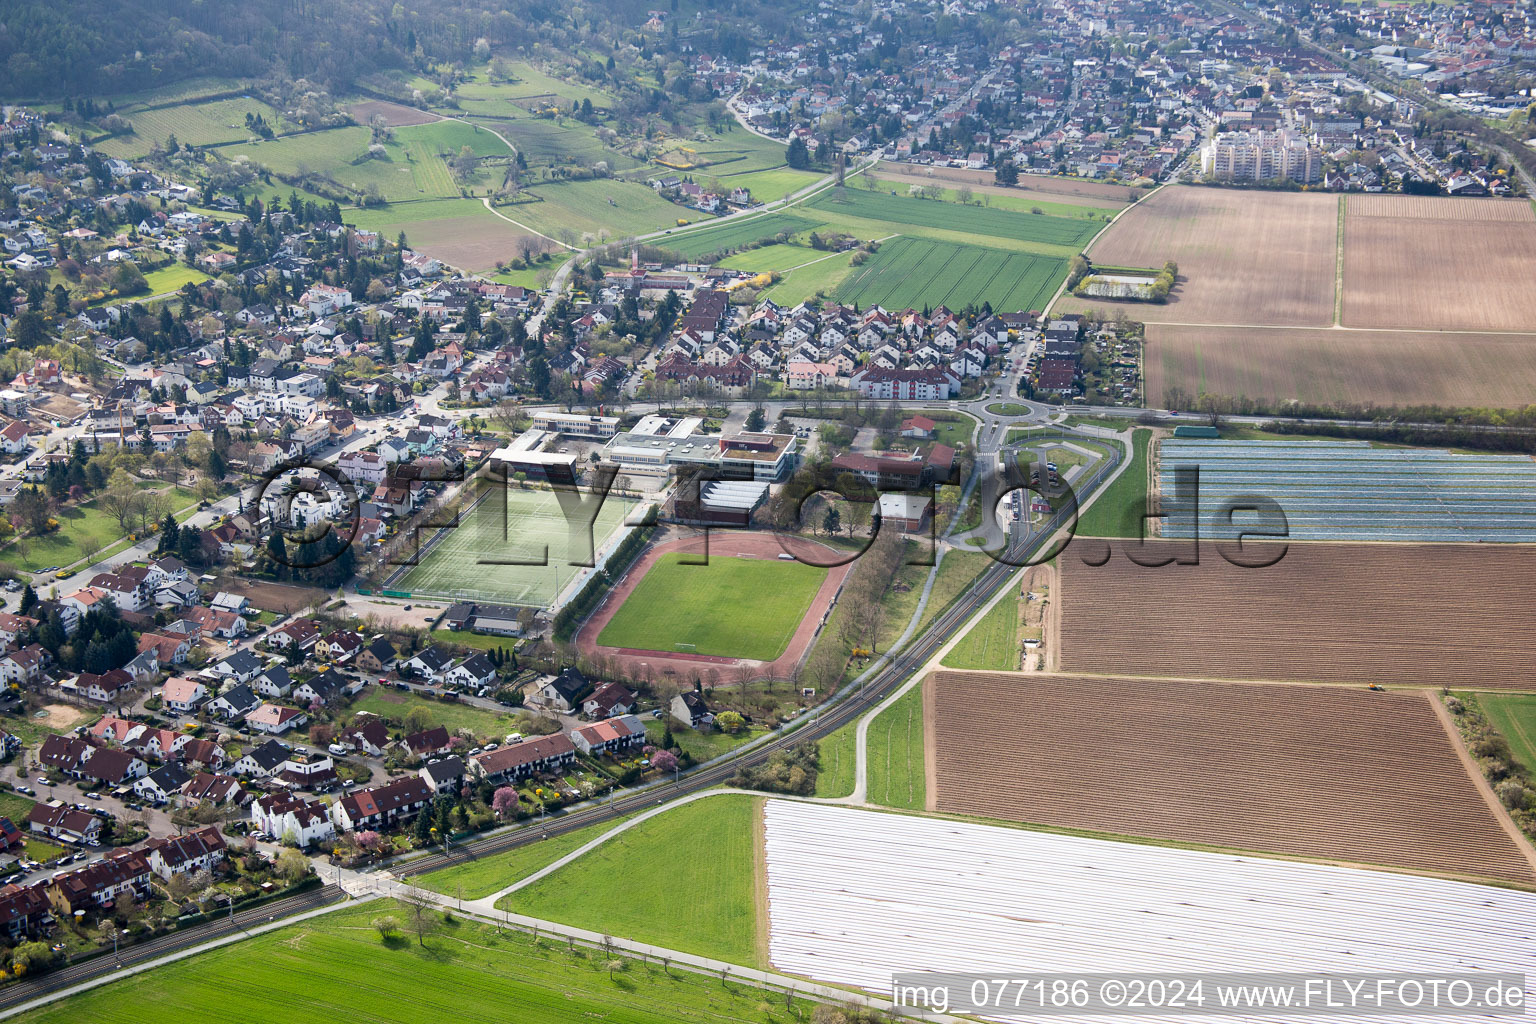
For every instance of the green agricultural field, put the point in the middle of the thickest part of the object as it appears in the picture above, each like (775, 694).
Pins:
(319, 152)
(528, 80)
(476, 879)
(398, 706)
(548, 143)
(823, 276)
(776, 257)
(769, 185)
(736, 151)
(1514, 715)
(733, 234)
(171, 278)
(685, 879)
(1022, 202)
(450, 136)
(921, 272)
(593, 207)
(400, 216)
(336, 967)
(193, 124)
(896, 771)
(736, 607)
(993, 643)
(473, 559)
(839, 762)
(1115, 512)
(1067, 234)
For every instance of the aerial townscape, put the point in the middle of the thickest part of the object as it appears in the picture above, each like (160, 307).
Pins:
(798, 512)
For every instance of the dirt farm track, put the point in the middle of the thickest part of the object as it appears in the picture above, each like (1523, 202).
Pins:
(1344, 774)
(1414, 614)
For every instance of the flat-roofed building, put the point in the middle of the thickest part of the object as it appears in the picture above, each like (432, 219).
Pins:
(575, 424)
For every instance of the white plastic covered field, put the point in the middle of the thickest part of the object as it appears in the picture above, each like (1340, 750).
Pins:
(857, 895)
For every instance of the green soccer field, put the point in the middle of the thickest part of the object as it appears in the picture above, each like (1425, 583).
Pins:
(470, 561)
(734, 607)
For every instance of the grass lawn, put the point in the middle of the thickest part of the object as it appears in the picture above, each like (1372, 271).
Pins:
(1514, 715)
(739, 607)
(896, 776)
(702, 745)
(335, 967)
(993, 642)
(594, 207)
(1108, 422)
(82, 530)
(839, 762)
(1008, 409)
(478, 641)
(956, 572)
(486, 875)
(1113, 513)
(956, 432)
(171, 278)
(685, 879)
(40, 851)
(16, 807)
(398, 705)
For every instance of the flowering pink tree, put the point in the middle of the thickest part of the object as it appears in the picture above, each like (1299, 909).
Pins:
(504, 801)
(665, 760)
(457, 743)
(369, 840)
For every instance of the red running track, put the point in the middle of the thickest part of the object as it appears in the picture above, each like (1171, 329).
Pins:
(724, 544)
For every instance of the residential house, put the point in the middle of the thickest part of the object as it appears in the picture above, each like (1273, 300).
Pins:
(444, 775)
(120, 876)
(523, 759)
(234, 703)
(473, 672)
(202, 850)
(58, 820)
(610, 736)
(428, 742)
(565, 691)
(163, 784)
(275, 719)
(380, 807)
(689, 708)
(609, 701)
(183, 695)
(291, 818)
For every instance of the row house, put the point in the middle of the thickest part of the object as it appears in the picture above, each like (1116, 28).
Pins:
(610, 736)
(523, 759)
(123, 876)
(380, 807)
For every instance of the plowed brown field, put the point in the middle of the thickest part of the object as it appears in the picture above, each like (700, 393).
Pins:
(1323, 365)
(1422, 614)
(1440, 208)
(1325, 772)
(1433, 272)
(1244, 257)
